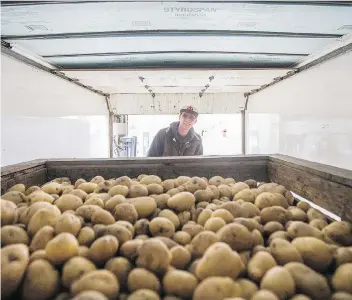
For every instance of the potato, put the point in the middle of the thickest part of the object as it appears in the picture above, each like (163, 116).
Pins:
(248, 210)
(31, 189)
(274, 213)
(155, 189)
(32, 209)
(179, 283)
(195, 184)
(61, 248)
(123, 180)
(143, 294)
(14, 261)
(154, 256)
(257, 237)
(181, 201)
(68, 202)
(192, 228)
(237, 187)
(68, 223)
(161, 227)
(300, 229)
(318, 224)
(223, 214)
(214, 224)
(234, 208)
(41, 281)
(97, 179)
(102, 196)
(39, 196)
(237, 236)
(142, 237)
(168, 184)
(121, 268)
(279, 281)
(79, 193)
(114, 201)
(42, 217)
(65, 189)
(145, 206)
(103, 187)
(86, 236)
(12, 234)
(259, 264)
(217, 288)
(315, 253)
(103, 249)
(204, 216)
(94, 201)
(284, 252)
(120, 232)
(17, 188)
(300, 297)
(339, 232)
(87, 187)
(127, 225)
(215, 191)
(137, 190)
(216, 180)
(202, 241)
(303, 205)
(142, 226)
(89, 295)
(83, 251)
(297, 214)
(150, 179)
(225, 191)
(308, 281)
(219, 260)
(39, 254)
(140, 278)
(41, 238)
(161, 200)
(169, 214)
(181, 237)
(249, 288)
(195, 212)
(246, 195)
(126, 212)
(266, 199)
(343, 255)
(15, 197)
(203, 195)
(272, 227)
(251, 224)
(99, 280)
(180, 257)
(313, 214)
(130, 249)
(339, 296)
(264, 295)
(173, 192)
(341, 280)
(86, 211)
(74, 268)
(52, 188)
(79, 181)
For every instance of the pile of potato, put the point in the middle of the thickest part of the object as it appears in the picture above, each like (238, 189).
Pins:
(183, 238)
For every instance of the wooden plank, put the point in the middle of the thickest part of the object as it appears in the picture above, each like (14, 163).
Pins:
(238, 167)
(29, 173)
(326, 186)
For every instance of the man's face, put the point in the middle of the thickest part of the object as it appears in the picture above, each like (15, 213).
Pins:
(187, 120)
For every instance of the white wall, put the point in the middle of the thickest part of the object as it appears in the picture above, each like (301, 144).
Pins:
(145, 104)
(43, 116)
(313, 114)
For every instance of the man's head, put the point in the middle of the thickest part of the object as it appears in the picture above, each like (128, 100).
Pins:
(188, 117)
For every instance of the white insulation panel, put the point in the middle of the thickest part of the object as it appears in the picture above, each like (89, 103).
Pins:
(144, 104)
(308, 115)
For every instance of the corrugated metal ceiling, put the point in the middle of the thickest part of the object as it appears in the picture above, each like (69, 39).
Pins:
(79, 35)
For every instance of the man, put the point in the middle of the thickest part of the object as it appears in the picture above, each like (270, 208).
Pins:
(180, 138)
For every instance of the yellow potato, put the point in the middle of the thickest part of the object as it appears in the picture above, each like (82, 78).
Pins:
(87, 187)
(272, 227)
(284, 252)
(313, 214)
(279, 281)
(161, 227)
(41, 238)
(181, 237)
(341, 279)
(52, 188)
(145, 206)
(15, 197)
(278, 235)
(217, 288)
(202, 241)
(249, 288)
(214, 189)
(204, 216)
(68, 223)
(102, 217)
(180, 257)
(301, 229)
(237, 236)
(339, 232)
(303, 205)
(219, 260)
(315, 253)
(154, 256)
(127, 225)
(274, 213)
(169, 214)
(224, 191)
(203, 195)
(61, 248)
(114, 201)
(216, 180)
(103, 249)
(248, 210)
(17, 188)
(40, 196)
(251, 183)
(97, 179)
(343, 255)
(79, 193)
(137, 190)
(66, 190)
(86, 236)
(237, 187)
(120, 232)
(130, 249)
(41, 281)
(102, 196)
(155, 188)
(83, 251)
(140, 278)
(142, 227)
(94, 201)
(173, 192)
(318, 224)
(103, 187)
(14, 261)
(39, 254)
(68, 202)
(264, 295)
(246, 195)
(121, 268)
(259, 264)
(179, 283)
(195, 184)
(126, 212)
(151, 179)
(192, 228)
(88, 295)
(224, 214)
(12, 234)
(74, 268)
(168, 184)
(234, 208)
(32, 189)
(167, 241)
(181, 201)
(99, 280)
(43, 217)
(308, 281)
(337, 296)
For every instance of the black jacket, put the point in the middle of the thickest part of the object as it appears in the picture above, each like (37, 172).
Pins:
(168, 142)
